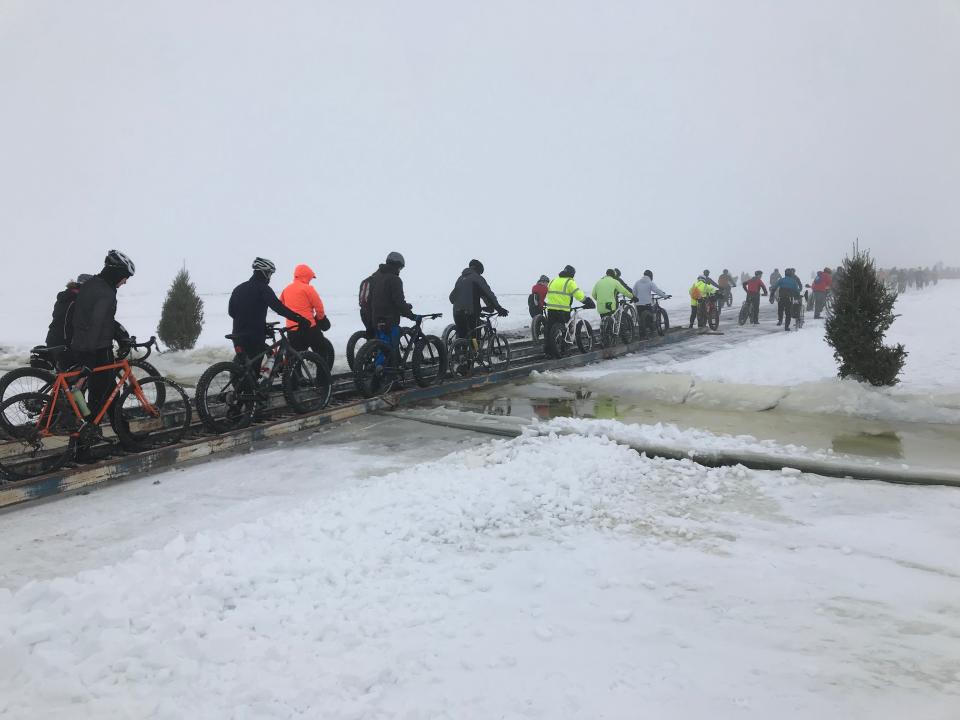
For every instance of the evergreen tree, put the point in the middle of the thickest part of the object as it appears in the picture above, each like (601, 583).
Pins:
(862, 313)
(181, 319)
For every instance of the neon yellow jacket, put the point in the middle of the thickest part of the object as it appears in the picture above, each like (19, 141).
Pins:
(606, 291)
(700, 289)
(561, 293)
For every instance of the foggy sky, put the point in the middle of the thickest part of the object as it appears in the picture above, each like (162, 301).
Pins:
(673, 136)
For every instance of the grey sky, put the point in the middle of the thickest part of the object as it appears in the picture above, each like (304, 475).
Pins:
(529, 134)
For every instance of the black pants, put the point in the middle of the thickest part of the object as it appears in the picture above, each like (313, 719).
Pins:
(99, 384)
(314, 340)
(819, 301)
(466, 323)
(753, 302)
(553, 318)
(693, 314)
(785, 308)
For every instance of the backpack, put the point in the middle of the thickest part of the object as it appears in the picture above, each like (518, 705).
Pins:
(364, 300)
(533, 304)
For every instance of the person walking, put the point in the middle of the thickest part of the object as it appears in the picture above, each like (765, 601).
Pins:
(753, 288)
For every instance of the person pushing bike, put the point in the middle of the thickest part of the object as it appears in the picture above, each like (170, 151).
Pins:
(468, 291)
(561, 292)
(302, 298)
(248, 307)
(388, 303)
(606, 291)
(701, 289)
(753, 287)
(788, 288)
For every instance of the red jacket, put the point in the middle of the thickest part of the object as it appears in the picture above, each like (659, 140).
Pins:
(754, 285)
(540, 290)
(823, 282)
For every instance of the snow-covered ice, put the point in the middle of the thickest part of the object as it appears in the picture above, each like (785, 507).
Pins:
(551, 576)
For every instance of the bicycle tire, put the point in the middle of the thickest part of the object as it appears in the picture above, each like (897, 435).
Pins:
(713, 316)
(555, 340)
(228, 404)
(584, 336)
(627, 330)
(429, 361)
(449, 336)
(372, 375)
(31, 452)
(606, 331)
(307, 384)
(149, 371)
(406, 334)
(10, 385)
(499, 353)
(536, 328)
(663, 322)
(744, 313)
(460, 359)
(145, 427)
(352, 346)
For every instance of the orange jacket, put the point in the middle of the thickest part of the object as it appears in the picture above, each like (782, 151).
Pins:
(301, 297)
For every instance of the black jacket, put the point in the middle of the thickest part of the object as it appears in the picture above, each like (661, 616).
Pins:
(94, 314)
(387, 302)
(248, 308)
(469, 290)
(60, 332)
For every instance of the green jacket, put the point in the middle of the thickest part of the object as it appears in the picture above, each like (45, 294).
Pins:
(605, 293)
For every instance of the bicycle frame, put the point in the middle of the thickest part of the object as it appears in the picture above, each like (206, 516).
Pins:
(62, 384)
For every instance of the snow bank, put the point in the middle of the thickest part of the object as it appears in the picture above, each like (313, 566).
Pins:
(555, 577)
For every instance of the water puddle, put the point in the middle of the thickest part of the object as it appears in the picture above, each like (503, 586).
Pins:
(919, 443)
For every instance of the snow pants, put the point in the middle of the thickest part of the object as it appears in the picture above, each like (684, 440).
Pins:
(819, 301)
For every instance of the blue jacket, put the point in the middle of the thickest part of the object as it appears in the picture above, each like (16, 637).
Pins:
(788, 284)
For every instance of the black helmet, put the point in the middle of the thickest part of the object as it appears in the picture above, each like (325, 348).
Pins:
(758, 273)
(616, 272)
(264, 266)
(544, 279)
(396, 258)
(568, 271)
(706, 273)
(477, 265)
(116, 259)
(648, 273)
(611, 272)
(726, 272)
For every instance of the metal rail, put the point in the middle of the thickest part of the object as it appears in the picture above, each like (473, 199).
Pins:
(345, 403)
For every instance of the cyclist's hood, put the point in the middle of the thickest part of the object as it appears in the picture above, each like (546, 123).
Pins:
(389, 268)
(303, 273)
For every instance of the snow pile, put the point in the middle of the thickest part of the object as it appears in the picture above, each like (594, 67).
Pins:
(667, 435)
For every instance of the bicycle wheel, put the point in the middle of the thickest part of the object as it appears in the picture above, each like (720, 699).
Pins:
(352, 346)
(555, 345)
(226, 399)
(630, 311)
(584, 336)
(141, 370)
(373, 374)
(626, 329)
(607, 338)
(663, 321)
(536, 328)
(498, 357)
(141, 425)
(713, 316)
(35, 450)
(306, 382)
(429, 361)
(326, 352)
(20, 381)
(461, 358)
(449, 336)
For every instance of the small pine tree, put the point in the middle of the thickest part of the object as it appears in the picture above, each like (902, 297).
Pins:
(181, 319)
(862, 313)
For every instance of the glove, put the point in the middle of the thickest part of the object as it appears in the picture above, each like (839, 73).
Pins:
(609, 306)
(502, 312)
(324, 324)
(303, 325)
(589, 304)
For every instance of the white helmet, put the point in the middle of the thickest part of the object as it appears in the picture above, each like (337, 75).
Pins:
(264, 266)
(117, 259)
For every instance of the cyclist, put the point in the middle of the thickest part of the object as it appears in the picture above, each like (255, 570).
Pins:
(709, 280)
(821, 286)
(465, 297)
(561, 292)
(94, 325)
(606, 290)
(643, 291)
(774, 279)
(753, 287)
(702, 288)
(302, 298)
(726, 283)
(248, 308)
(387, 302)
(537, 295)
(789, 287)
